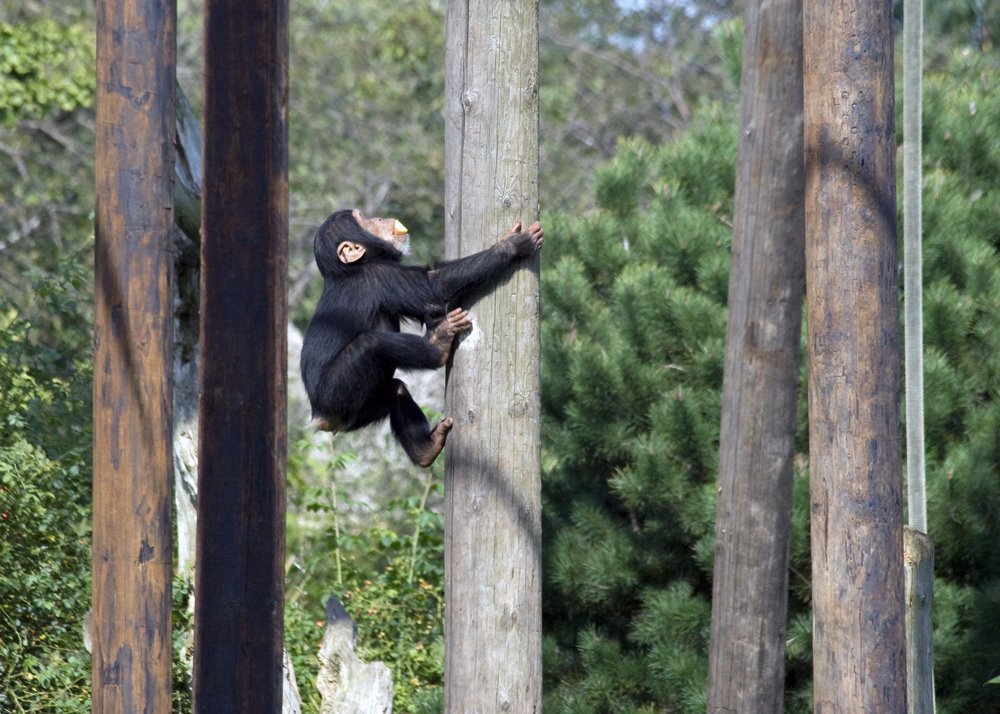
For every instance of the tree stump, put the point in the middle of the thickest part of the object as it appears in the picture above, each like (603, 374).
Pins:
(346, 684)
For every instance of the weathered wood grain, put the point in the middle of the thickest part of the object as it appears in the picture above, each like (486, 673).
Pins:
(133, 341)
(242, 421)
(918, 566)
(492, 471)
(854, 358)
(757, 440)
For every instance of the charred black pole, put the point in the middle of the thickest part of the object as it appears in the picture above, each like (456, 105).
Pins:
(242, 447)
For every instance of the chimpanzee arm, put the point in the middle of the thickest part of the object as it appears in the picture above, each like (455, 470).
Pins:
(456, 277)
(400, 290)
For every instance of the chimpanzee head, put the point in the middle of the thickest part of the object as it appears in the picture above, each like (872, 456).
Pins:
(347, 238)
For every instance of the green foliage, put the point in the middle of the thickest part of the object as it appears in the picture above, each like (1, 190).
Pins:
(368, 109)
(46, 73)
(961, 303)
(44, 509)
(729, 35)
(400, 610)
(633, 343)
(391, 583)
(615, 69)
(972, 25)
(182, 628)
(633, 346)
(46, 143)
(634, 297)
(44, 66)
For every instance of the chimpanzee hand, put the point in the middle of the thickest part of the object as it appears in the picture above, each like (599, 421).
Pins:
(443, 333)
(527, 243)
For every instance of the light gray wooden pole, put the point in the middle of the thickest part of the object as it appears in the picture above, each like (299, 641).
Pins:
(918, 551)
(492, 469)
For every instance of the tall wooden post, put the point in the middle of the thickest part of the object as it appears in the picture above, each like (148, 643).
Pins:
(492, 471)
(133, 342)
(854, 352)
(757, 441)
(242, 439)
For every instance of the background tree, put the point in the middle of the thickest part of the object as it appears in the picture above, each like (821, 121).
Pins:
(627, 559)
(45, 475)
(46, 142)
(949, 25)
(46, 199)
(633, 350)
(961, 373)
(621, 69)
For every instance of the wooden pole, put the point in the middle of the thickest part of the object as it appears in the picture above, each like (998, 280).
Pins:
(242, 439)
(492, 472)
(757, 441)
(918, 566)
(854, 352)
(133, 342)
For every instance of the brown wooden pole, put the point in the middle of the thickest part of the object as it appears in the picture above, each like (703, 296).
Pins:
(757, 440)
(492, 468)
(854, 354)
(133, 342)
(242, 439)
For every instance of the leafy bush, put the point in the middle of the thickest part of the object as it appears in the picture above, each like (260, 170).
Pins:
(390, 582)
(44, 66)
(44, 503)
(632, 351)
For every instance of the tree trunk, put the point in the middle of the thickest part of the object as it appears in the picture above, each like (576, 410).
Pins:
(853, 307)
(187, 202)
(757, 441)
(133, 341)
(918, 567)
(346, 684)
(242, 441)
(492, 472)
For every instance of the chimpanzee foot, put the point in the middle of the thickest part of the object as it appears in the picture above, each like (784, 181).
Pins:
(326, 424)
(444, 332)
(439, 434)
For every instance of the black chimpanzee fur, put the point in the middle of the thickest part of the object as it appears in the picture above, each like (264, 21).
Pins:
(353, 345)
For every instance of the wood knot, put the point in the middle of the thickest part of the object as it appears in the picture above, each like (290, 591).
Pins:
(520, 406)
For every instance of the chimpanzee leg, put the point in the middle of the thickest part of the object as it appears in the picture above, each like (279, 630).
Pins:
(412, 352)
(356, 388)
(410, 427)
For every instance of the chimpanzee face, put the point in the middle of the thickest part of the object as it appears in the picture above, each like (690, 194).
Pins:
(388, 229)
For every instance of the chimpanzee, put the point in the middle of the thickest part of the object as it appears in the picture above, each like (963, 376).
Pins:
(353, 345)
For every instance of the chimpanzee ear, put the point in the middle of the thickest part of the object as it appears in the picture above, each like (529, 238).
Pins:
(350, 252)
